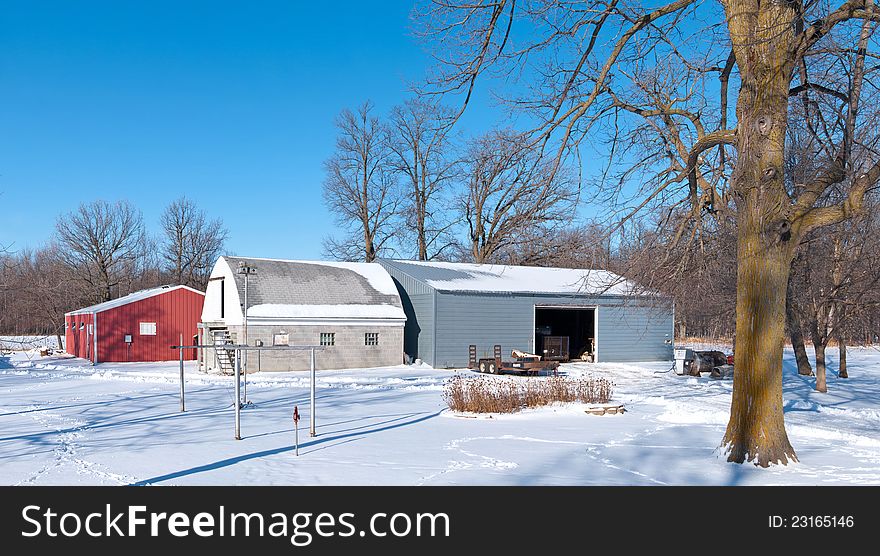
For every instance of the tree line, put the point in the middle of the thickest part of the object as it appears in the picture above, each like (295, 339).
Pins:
(101, 251)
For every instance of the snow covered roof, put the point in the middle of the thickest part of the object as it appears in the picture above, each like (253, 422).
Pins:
(491, 278)
(293, 289)
(130, 298)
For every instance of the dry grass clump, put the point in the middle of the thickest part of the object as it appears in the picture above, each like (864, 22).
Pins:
(488, 395)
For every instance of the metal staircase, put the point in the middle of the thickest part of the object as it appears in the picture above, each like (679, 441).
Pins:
(225, 356)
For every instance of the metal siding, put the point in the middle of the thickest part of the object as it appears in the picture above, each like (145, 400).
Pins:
(82, 341)
(634, 333)
(626, 331)
(68, 335)
(418, 301)
(483, 320)
(175, 312)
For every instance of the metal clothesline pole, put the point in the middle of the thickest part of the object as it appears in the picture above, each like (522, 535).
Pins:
(238, 349)
(312, 393)
(182, 403)
(237, 394)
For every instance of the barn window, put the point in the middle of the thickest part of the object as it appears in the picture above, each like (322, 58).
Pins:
(371, 339)
(328, 338)
(148, 328)
(82, 325)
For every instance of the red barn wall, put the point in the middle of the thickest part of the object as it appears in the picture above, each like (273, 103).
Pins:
(175, 312)
(78, 338)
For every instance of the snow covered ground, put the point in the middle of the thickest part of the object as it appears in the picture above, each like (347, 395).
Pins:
(65, 422)
(18, 343)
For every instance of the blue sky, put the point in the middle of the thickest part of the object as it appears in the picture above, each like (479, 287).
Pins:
(229, 103)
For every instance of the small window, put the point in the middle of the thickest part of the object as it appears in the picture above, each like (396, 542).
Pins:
(82, 325)
(371, 339)
(328, 338)
(148, 329)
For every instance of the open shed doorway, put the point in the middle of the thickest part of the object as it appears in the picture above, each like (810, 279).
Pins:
(566, 333)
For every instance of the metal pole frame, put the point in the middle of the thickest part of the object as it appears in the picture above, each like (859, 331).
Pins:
(312, 392)
(237, 394)
(182, 401)
(238, 349)
(246, 275)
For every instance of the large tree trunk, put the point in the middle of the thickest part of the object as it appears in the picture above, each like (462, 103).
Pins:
(841, 367)
(763, 39)
(797, 339)
(756, 430)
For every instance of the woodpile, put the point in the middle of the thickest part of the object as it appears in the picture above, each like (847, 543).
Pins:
(605, 409)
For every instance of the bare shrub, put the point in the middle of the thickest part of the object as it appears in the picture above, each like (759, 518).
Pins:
(488, 395)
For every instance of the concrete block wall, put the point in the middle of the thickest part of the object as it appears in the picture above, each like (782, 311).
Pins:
(349, 351)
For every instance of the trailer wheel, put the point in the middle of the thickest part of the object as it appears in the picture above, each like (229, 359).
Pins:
(492, 369)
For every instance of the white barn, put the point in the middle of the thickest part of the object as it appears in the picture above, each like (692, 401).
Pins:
(352, 310)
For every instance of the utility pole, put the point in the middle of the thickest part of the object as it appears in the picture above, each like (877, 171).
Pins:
(247, 270)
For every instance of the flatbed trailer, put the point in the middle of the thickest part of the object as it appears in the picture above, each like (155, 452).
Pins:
(531, 365)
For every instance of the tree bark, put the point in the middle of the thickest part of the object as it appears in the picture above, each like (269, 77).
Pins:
(797, 337)
(821, 384)
(756, 430)
(762, 41)
(841, 368)
(421, 224)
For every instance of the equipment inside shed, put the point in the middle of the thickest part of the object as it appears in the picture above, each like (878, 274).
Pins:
(563, 334)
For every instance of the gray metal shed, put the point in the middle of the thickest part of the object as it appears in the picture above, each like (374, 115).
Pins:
(450, 306)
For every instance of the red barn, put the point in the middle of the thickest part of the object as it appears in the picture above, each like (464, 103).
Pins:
(138, 327)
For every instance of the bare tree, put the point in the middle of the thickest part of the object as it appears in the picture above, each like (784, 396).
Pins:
(585, 246)
(837, 285)
(99, 241)
(50, 290)
(511, 194)
(661, 85)
(795, 327)
(359, 188)
(191, 243)
(423, 153)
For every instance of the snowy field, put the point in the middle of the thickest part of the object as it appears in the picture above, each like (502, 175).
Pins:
(23, 343)
(65, 422)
